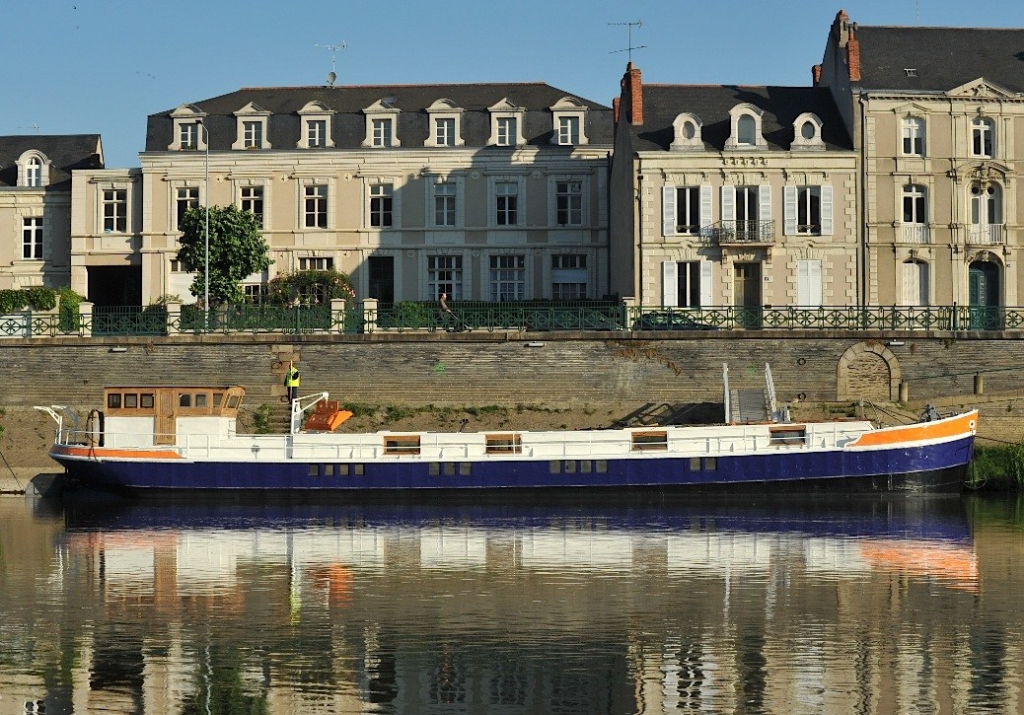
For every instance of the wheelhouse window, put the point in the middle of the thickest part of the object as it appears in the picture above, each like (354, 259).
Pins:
(648, 441)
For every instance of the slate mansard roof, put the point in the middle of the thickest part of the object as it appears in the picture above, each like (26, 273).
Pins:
(66, 152)
(662, 103)
(941, 58)
(348, 127)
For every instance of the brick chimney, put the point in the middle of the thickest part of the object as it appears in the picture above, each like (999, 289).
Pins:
(633, 94)
(615, 109)
(853, 55)
(816, 75)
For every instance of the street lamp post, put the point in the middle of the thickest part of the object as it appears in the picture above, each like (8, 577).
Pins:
(206, 271)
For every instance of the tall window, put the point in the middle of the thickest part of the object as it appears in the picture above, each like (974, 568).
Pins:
(32, 239)
(986, 204)
(746, 130)
(982, 134)
(187, 198)
(188, 135)
(508, 278)
(315, 206)
(115, 210)
(252, 201)
(914, 204)
(808, 210)
(913, 136)
(507, 131)
(381, 205)
(252, 134)
(688, 209)
(316, 133)
(444, 203)
(444, 132)
(444, 275)
(383, 132)
(506, 194)
(688, 290)
(569, 276)
(569, 203)
(747, 225)
(569, 130)
(34, 172)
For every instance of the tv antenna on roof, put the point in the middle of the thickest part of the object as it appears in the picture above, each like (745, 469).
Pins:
(332, 75)
(629, 25)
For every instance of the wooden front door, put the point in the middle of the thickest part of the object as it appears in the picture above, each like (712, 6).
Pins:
(747, 298)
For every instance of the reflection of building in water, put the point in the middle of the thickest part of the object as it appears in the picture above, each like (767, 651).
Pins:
(562, 618)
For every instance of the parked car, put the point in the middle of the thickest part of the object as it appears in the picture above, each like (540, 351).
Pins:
(669, 320)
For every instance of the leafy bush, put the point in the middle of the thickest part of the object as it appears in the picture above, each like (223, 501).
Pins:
(310, 287)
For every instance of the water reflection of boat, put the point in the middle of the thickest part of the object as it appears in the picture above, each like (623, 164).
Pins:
(185, 438)
(916, 537)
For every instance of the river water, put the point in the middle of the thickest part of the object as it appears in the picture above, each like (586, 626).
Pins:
(862, 605)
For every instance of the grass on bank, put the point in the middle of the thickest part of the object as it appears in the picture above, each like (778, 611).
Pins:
(997, 467)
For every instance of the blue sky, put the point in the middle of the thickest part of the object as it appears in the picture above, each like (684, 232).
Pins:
(102, 66)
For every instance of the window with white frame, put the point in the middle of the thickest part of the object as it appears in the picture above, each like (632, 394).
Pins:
(316, 263)
(381, 205)
(913, 136)
(445, 195)
(686, 284)
(382, 124)
(34, 172)
(250, 198)
(252, 128)
(256, 293)
(444, 275)
(115, 210)
(315, 205)
(688, 219)
(188, 130)
(445, 124)
(252, 134)
(188, 135)
(569, 116)
(569, 203)
(986, 213)
(507, 278)
(506, 123)
(316, 126)
(186, 197)
(745, 128)
(508, 130)
(746, 212)
(506, 203)
(915, 283)
(914, 204)
(982, 137)
(383, 132)
(569, 276)
(685, 210)
(809, 293)
(444, 132)
(807, 210)
(32, 239)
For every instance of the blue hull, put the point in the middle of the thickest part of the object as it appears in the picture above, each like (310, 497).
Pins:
(928, 468)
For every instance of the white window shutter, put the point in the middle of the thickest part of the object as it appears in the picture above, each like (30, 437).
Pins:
(826, 210)
(764, 202)
(705, 284)
(808, 287)
(669, 284)
(728, 203)
(668, 211)
(705, 205)
(789, 197)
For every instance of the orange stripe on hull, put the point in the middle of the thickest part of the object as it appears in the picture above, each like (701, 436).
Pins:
(959, 426)
(104, 453)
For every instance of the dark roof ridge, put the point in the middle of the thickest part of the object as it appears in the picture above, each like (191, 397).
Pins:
(367, 86)
(860, 26)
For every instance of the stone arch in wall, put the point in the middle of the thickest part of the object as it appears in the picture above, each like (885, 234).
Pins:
(868, 371)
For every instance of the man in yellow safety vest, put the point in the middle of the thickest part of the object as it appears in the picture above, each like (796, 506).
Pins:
(291, 381)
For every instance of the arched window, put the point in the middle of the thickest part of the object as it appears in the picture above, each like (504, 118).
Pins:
(986, 213)
(746, 134)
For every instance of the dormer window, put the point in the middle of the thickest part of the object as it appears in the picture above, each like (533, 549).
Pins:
(189, 134)
(445, 124)
(687, 131)
(746, 128)
(569, 116)
(506, 124)
(33, 170)
(252, 128)
(807, 133)
(316, 126)
(381, 124)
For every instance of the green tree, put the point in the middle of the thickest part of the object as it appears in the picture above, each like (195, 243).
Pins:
(237, 250)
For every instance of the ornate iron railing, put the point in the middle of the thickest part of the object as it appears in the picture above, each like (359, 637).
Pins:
(742, 232)
(527, 316)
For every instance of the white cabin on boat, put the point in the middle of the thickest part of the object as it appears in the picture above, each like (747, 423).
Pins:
(135, 416)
